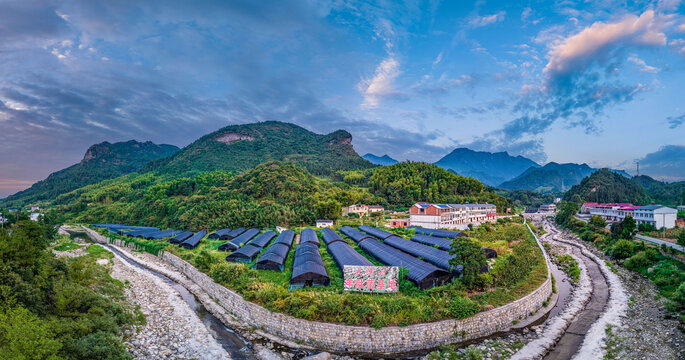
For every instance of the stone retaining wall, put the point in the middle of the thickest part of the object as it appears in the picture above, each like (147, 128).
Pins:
(360, 339)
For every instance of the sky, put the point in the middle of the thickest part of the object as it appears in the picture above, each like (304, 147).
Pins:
(597, 82)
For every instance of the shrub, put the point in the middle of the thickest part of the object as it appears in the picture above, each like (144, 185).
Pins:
(461, 307)
(203, 261)
(681, 238)
(622, 249)
(646, 227)
(680, 295)
(638, 262)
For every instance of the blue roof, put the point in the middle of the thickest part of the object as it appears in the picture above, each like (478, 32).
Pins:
(650, 207)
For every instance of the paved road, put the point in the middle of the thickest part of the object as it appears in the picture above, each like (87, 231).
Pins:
(660, 242)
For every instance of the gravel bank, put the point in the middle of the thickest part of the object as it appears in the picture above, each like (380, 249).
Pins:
(173, 331)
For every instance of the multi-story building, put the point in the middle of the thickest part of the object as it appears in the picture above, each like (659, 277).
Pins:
(436, 216)
(656, 215)
(359, 209)
(399, 223)
(659, 216)
(548, 208)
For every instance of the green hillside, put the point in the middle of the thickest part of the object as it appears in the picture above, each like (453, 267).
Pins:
(273, 193)
(605, 186)
(243, 147)
(101, 162)
(662, 192)
(549, 178)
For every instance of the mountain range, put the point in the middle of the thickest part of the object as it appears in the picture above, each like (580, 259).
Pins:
(101, 162)
(489, 168)
(380, 160)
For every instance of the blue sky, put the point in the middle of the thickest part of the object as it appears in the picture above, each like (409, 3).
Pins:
(600, 82)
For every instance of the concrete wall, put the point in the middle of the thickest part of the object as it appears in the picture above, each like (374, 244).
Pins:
(360, 339)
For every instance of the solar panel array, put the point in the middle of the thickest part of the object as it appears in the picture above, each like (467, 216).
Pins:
(437, 257)
(181, 237)
(442, 244)
(239, 241)
(354, 234)
(193, 241)
(233, 233)
(308, 267)
(274, 256)
(423, 274)
(381, 234)
(219, 233)
(309, 236)
(343, 254)
(448, 234)
(262, 239)
(330, 236)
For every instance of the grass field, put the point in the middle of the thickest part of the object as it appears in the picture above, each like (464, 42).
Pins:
(408, 306)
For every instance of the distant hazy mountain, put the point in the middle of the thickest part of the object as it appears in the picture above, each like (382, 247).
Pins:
(606, 186)
(243, 147)
(101, 162)
(490, 168)
(549, 178)
(380, 160)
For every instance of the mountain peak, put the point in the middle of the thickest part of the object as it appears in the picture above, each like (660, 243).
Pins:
(490, 168)
(380, 160)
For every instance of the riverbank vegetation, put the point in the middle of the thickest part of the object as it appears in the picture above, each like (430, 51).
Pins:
(653, 262)
(519, 269)
(58, 308)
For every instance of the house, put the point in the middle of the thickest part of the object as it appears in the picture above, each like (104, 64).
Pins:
(376, 208)
(659, 216)
(436, 216)
(656, 215)
(35, 208)
(34, 216)
(359, 209)
(681, 208)
(324, 224)
(546, 208)
(399, 223)
(680, 223)
(3, 219)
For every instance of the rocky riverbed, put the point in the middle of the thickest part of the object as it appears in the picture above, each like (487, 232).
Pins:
(172, 331)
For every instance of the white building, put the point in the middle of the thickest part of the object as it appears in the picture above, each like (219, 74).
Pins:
(657, 215)
(34, 216)
(681, 208)
(324, 223)
(449, 216)
(546, 208)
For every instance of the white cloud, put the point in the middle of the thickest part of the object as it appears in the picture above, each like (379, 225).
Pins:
(526, 14)
(641, 63)
(438, 59)
(485, 20)
(57, 53)
(381, 85)
(580, 49)
(668, 5)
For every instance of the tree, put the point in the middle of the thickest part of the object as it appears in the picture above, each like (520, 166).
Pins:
(470, 256)
(629, 227)
(24, 336)
(597, 221)
(681, 238)
(622, 249)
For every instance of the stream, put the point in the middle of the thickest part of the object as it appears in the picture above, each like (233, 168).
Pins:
(234, 344)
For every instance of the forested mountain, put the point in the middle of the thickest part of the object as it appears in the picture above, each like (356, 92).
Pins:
(406, 183)
(549, 178)
(527, 198)
(606, 186)
(380, 160)
(489, 168)
(662, 192)
(273, 193)
(243, 147)
(101, 162)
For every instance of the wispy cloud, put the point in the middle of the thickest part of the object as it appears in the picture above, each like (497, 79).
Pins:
(641, 63)
(381, 85)
(480, 21)
(675, 121)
